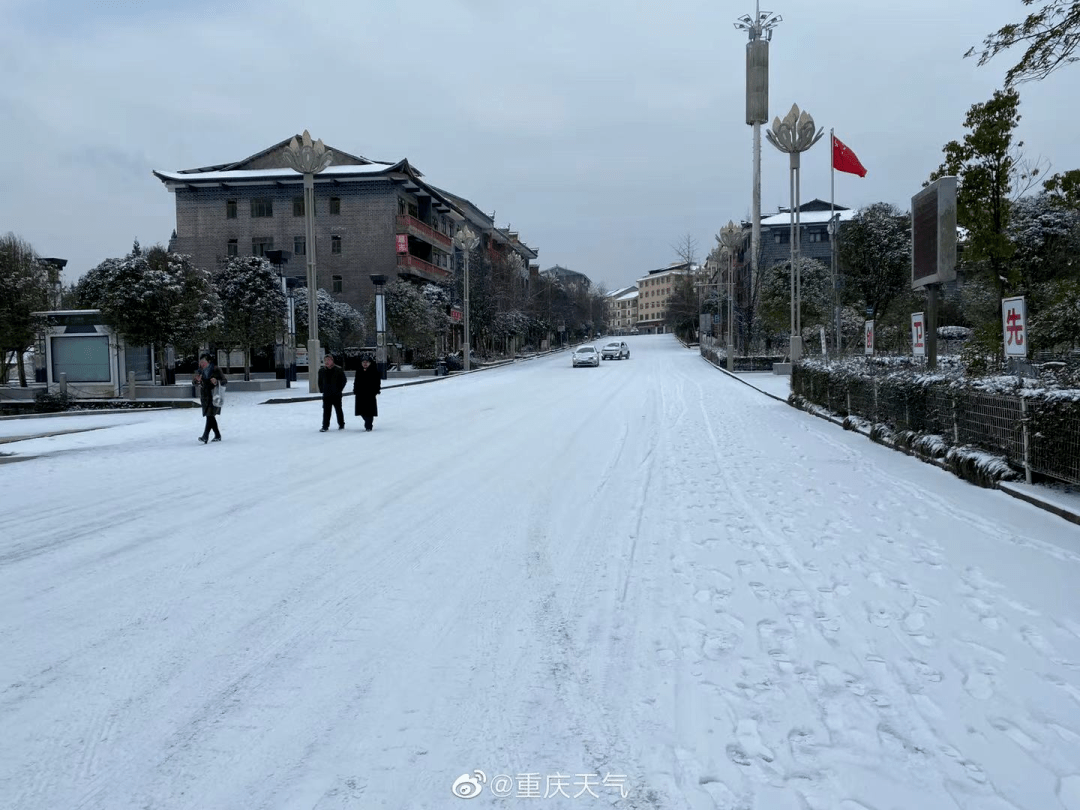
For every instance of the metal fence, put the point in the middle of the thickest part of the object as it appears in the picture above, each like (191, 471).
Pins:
(1034, 434)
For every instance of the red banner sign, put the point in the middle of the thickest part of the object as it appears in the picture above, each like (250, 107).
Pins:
(402, 243)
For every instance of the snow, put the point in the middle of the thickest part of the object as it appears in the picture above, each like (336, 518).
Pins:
(809, 217)
(262, 174)
(645, 570)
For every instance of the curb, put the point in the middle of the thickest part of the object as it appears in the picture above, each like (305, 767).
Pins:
(1002, 486)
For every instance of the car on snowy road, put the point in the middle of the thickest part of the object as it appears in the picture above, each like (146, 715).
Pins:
(585, 356)
(616, 350)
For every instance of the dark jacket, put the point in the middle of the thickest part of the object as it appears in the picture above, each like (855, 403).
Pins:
(206, 388)
(366, 386)
(332, 382)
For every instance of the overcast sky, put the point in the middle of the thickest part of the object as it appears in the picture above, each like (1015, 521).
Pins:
(603, 131)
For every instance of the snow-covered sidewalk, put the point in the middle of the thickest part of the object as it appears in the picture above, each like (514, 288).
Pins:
(643, 579)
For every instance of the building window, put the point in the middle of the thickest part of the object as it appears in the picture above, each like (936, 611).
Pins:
(262, 208)
(336, 283)
(299, 245)
(335, 206)
(230, 209)
(401, 207)
(297, 206)
(233, 248)
(335, 244)
(261, 244)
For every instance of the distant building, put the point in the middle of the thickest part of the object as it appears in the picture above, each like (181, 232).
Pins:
(815, 240)
(568, 276)
(655, 291)
(622, 310)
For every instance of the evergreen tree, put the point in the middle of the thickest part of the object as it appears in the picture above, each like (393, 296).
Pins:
(153, 298)
(875, 257)
(24, 290)
(1049, 35)
(253, 305)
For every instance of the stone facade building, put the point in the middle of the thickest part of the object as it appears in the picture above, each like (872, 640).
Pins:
(371, 217)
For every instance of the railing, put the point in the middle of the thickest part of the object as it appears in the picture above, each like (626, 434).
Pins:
(1040, 434)
(424, 269)
(421, 230)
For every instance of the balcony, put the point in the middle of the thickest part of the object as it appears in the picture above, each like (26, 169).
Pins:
(414, 227)
(407, 263)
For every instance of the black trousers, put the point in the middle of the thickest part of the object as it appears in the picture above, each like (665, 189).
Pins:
(211, 424)
(334, 402)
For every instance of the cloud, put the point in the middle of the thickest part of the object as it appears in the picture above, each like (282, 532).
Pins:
(603, 131)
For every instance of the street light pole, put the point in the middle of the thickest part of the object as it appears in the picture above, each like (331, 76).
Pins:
(759, 28)
(309, 159)
(794, 135)
(731, 237)
(467, 241)
(379, 280)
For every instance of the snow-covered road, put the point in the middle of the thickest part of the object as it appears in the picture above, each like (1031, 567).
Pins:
(643, 579)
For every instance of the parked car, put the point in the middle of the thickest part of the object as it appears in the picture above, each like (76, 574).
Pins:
(585, 356)
(616, 350)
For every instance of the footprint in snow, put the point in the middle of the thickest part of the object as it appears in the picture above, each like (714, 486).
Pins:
(1068, 791)
(878, 615)
(1015, 733)
(979, 684)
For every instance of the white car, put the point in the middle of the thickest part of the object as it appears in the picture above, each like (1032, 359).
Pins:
(585, 356)
(616, 350)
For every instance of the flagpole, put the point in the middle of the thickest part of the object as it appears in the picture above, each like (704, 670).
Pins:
(834, 232)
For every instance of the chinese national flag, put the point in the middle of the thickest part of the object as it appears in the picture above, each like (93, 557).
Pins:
(844, 160)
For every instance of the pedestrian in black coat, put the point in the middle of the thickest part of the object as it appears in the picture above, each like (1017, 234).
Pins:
(366, 385)
(332, 384)
(207, 379)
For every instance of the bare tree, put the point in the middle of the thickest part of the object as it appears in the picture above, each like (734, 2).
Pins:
(686, 249)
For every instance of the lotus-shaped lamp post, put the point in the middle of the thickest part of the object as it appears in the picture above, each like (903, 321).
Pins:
(309, 159)
(794, 135)
(731, 238)
(467, 241)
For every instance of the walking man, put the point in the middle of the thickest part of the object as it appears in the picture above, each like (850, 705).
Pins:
(332, 384)
(211, 384)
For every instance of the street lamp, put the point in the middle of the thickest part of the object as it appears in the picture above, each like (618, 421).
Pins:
(794, 135)
(309, 159)
(759, 28)
(378, 280)
(279, 258)
(731, 237)
(467, 241)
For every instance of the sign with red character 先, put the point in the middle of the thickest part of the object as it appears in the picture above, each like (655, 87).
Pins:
(869, 341)
(1014, 324)
(918, 334)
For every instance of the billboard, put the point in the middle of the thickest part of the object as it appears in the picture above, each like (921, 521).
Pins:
(933, 233)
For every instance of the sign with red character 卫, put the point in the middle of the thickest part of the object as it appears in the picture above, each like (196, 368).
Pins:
(1014, 325)
(869, 341)
(918, 334)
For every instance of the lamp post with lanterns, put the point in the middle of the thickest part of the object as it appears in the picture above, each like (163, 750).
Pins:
(467, 241)
(309, 158)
